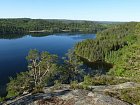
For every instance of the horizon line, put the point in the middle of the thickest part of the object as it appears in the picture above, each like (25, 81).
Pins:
(68, 19)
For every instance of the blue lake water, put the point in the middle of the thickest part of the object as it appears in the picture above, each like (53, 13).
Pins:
(13, 51)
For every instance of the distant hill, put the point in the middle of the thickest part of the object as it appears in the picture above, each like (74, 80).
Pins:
(26, 25)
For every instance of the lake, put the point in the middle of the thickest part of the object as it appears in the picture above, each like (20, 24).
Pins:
(13, 50)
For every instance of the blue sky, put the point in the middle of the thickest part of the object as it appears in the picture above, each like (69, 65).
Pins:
(99, 10)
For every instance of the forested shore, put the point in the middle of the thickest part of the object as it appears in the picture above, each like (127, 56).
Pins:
(27, 25)
(118, 45)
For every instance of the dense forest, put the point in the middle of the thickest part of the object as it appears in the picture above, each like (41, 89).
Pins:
(119, 45)
(26, 25)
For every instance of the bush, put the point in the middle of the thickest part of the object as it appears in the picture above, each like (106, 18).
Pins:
(18, 85)
(103, 80)
(86, 83)
(57, 84)
(108, 80)
(128, 95)
(2, 99)
(88, 80)
(74, 84)
(38, 89)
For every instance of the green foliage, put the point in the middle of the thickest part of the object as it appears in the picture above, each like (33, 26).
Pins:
(72, 67)
(40, 64)
(38, 89)
(107, 42)
(127, 62)
(40, 67)
(2, 99)
(26, 25)
(19, 84)
(118, 45)
(97, 80)
(57, 84)
(88, 80)
(128, 95)
(102, 80)
(74, 84)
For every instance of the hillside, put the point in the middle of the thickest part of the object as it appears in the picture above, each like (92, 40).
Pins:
(27, 25)
(119, 45)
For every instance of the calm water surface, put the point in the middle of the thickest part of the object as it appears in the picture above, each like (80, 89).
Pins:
(14, 51)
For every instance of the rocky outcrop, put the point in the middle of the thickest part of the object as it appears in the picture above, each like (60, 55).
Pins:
(69, 97)
(99, 99)
(126, 85)
(66, 96)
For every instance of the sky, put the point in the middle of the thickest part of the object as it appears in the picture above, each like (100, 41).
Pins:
(96, 10)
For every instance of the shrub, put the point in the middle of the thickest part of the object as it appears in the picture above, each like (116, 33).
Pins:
(57, 84)
(88, 80)
(131, 95)
(103, 80)
(74, 84)
(2, 99)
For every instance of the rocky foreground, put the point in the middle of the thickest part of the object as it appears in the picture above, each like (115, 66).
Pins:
(67, 96)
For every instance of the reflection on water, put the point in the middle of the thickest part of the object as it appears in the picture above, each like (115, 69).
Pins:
(14, 48)
(11, 36)
(72, 35)
(98, 67)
